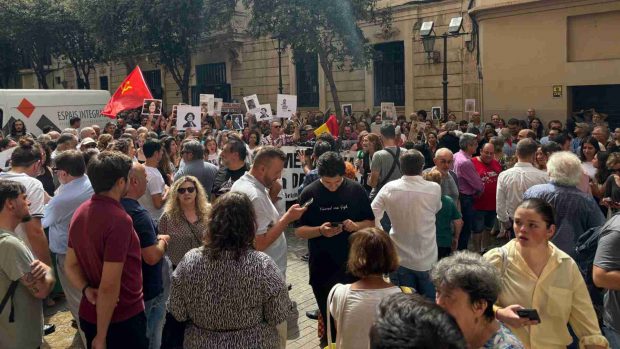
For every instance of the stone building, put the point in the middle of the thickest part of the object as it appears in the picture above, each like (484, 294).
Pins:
(403, 73)
(558, 56)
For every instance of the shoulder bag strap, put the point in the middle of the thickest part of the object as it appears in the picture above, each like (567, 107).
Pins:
(395, 163)
(341, 306)
(10, 293)
(191, 229)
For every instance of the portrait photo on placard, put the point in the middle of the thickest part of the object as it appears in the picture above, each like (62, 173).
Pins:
(436, 113)
(263, 112)
(206, 102)
(151, 106)
(251, 103)
(188, 117)
(217, 105)
(388, 111)
(287, 106)
(347, 110)
(236, 119)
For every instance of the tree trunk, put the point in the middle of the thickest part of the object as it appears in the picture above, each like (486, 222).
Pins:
(329, 75)
(86, 72)
(41, 78)
(78, 77)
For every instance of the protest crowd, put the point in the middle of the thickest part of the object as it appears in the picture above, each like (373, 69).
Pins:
(432, 234)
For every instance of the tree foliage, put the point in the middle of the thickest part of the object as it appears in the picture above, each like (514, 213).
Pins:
(32, 25)
(327, 28)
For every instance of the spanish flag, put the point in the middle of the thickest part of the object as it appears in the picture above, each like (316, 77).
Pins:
(130, 94)
(331, 126)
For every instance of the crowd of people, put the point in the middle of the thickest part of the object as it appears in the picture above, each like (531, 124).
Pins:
(439, 234)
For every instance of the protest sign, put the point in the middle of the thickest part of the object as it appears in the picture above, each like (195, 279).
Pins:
(231, 108)
(237, 120)
(251, 103)
(151, 106)
(388, 111)
(347, 110)
(293, 173)
(188, 117)
(217, 106)
(206, 103)
(263, 112)
(287, 106)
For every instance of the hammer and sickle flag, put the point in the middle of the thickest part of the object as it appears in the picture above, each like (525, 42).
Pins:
(130, 94)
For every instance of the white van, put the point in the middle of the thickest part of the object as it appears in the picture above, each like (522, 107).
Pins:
(41, 108)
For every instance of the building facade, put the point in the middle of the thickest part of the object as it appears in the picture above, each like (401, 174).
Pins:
(557, 56)
(402, 73)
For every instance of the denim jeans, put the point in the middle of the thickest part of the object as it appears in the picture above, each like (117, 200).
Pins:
(469, 214)
(613, 337)
(155, 310)
(418, 280)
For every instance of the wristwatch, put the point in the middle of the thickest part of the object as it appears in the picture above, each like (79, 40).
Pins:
(84, 290)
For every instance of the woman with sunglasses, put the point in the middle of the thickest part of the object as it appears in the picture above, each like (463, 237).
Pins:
(184, 217)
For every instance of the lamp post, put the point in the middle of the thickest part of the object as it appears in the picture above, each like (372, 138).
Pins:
(279, 49)
(428, 40)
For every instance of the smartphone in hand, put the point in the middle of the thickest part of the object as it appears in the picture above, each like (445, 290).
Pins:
(531, 314)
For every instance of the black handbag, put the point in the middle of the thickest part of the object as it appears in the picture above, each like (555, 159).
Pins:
(173, 333)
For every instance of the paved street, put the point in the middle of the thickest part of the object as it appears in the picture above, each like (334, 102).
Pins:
(302, 332)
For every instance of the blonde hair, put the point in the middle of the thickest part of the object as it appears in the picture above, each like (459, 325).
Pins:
(172, 207)
(433, 176)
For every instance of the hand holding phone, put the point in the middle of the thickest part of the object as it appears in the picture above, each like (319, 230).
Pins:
(531, 314)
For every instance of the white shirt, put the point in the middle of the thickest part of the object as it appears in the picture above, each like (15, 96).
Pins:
(354, 312)
(512, 183)
(36, 196)
(266, 216)
(154, 185)
(412, 203)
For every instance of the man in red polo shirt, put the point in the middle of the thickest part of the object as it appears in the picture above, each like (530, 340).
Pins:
(488, 169)
(103, 260)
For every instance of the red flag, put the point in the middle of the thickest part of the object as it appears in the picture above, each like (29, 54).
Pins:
(130, 94)
(332, 124)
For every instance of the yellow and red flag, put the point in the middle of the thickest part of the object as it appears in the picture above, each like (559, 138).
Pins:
(331, 126)
(130, 94)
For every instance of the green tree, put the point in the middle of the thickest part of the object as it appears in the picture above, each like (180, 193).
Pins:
(10, 59)
(33, 26)
(326, 28)
(174, 28)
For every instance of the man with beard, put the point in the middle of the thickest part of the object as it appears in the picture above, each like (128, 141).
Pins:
(104, 259)
(23, 278)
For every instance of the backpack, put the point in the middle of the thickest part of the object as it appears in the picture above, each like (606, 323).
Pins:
(585, 249)
(10, 292)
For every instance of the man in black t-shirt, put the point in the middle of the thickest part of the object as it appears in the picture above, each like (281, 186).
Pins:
(233, 166)
(340, 207)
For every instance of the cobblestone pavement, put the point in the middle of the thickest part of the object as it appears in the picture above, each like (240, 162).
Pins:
(302, 332)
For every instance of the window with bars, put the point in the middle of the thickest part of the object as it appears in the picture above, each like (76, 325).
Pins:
(153, 81)
(389, 73)
(306, 71)
(211, 79)
(103, 82)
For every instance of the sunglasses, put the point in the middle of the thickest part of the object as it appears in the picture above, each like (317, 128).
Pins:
(188, 189)
(276, 126)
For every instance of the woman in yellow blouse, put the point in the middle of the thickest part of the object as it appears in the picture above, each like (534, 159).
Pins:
(537, 275)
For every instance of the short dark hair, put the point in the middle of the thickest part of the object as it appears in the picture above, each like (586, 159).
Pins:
(231, 225)
(26, 153)
(150, 147)
(89, 154)
(65, 137)
(422, 112)
(371, 252)
(555, 121)
(542, 207)
(388, 131)
(409, 321)
(411, 162)
(74, 119)
(561, 138)
(195, 148)
(320, 148)
(9, 190)
(526, 147)
(107, 168)
(72, 162)
(514, 121)
(550, 148)
(236, 145)
(327, 137)
(265, 154)
(330, 164)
